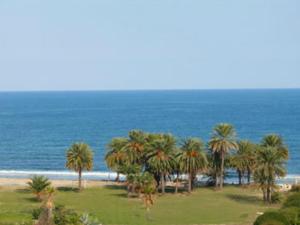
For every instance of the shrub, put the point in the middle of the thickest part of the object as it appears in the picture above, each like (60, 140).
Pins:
(295, 188)
(63, 216)
(292, 201)
(272, 218)
(276, 197)
(292, 214)
(36, 213)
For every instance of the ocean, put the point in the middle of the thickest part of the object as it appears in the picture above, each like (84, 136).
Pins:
(36, 128)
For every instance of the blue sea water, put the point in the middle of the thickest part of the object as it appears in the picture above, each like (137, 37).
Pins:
(36, 128)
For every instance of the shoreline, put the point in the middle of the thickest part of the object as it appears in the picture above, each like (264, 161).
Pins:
(16, 183)
(18, 179)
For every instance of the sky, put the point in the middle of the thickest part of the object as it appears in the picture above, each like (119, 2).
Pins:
(149, 44)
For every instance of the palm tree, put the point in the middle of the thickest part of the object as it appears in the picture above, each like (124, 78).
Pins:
(135, 146)
(244, 160)
(270, 165)
(38, 185)
(192, 159)
(160, 156)
(115, 157)
(276, 141)
(177, 168)
(223, 140)
(79, 158)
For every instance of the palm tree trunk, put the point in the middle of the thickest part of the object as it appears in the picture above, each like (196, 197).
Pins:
(222, 170)
(264, 194)
(118, 177)
(216, 181)
(190, 183)
(79, 179)
(240, 177)
(177, 183)
(162, 180)
(249, 176)
(268, 194)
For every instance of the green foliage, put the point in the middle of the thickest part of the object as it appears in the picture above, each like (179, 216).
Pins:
(79, 157)
(270, 165)
(276, 197)
(295, 188)
(36, 213)
(292, 214)
(38, 185)
(63, 216)
(292, 201)
(222, 141)
(272, 218)
(192, 159)
(244, 160)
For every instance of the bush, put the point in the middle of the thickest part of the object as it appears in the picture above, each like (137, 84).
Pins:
(63, 216)
(276, 197)
(36, 213)
(272, 218)
(292, 201)
(295, 188)
(292, 214)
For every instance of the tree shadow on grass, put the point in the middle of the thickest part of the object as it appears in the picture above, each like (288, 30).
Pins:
(116, 187)
(67, 189)
(23, 191)
(244, 198)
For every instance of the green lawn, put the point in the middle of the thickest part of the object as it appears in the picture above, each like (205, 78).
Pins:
(233, 205)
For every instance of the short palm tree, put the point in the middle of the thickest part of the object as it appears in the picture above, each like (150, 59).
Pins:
(270, 165)
(115, 157)
(38, 185)
(244, 160)
(160, 156)
(192, 159)
(79, 158)
(222, 141)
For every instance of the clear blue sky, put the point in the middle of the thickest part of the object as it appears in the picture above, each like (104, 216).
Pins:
(154, 44)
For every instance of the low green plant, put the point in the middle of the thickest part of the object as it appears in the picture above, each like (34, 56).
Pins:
(295, 188)
(276, 197)
(272, 218)
(292, 201)
(38, 185)
(292, 214)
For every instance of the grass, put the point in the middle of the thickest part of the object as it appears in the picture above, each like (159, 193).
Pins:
(110, 204)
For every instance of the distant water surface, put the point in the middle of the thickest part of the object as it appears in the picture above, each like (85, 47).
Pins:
(36, 128)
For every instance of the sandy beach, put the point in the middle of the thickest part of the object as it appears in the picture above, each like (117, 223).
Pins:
(14, 183)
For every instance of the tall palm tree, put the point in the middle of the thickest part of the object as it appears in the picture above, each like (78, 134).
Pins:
(244, 160)
(135, 146)
(270, 165)
(276, 141)
(192, 159)
(160, 156)
(222, 141)
(115, 157)
(79, 158)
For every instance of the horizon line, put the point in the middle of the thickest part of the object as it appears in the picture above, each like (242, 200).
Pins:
(166, 89)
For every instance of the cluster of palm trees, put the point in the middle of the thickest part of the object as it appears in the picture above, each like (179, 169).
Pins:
(161, 156)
